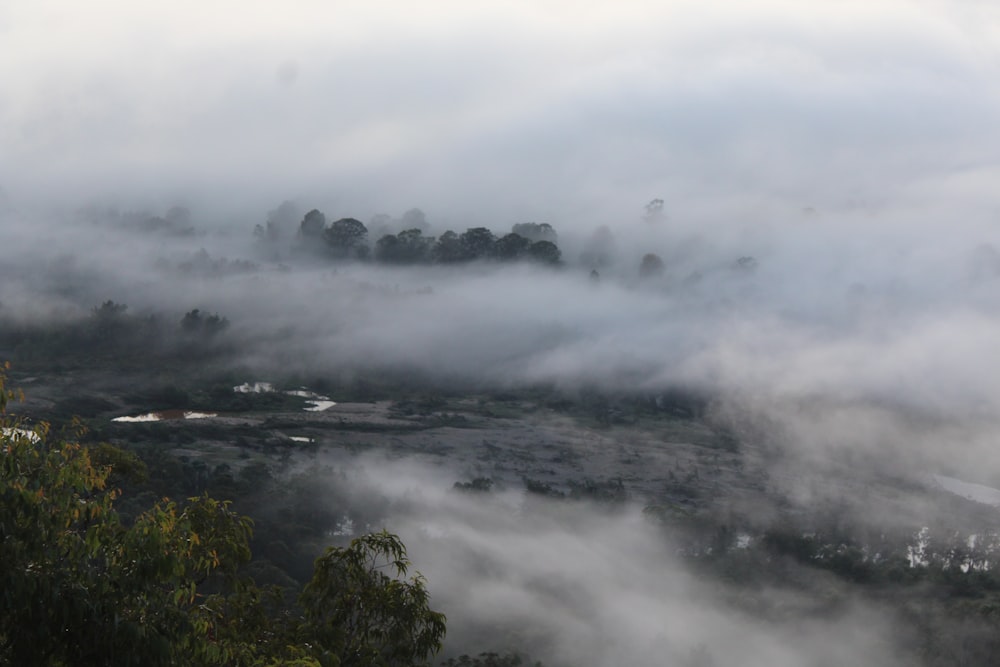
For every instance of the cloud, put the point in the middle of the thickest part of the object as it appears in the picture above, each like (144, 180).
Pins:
(506, 107)
(573, 584)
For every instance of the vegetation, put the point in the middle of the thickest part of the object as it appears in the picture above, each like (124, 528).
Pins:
(348, 239)
(85, 585)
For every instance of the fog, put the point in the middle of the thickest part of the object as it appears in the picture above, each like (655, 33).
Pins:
(853, 347)
(498, 110)
(577, 584)
(846, 152)
(847, 309)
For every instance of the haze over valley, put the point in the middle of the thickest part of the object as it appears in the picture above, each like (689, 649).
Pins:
(659, 335)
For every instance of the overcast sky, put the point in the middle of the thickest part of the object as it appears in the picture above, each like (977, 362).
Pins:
(542, 110)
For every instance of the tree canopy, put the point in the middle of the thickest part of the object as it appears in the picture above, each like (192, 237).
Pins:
(347, 237)
(81, 585)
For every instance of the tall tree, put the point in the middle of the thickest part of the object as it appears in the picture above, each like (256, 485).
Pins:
(359, 605)
(347, 238)
(536, 232)
(545, 252)
(312, 224)
(80, 586)
(510, 247)
(448, 249)
(477, 242)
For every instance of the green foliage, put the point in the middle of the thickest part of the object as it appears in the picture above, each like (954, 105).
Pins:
(364, 616)
(82, 585)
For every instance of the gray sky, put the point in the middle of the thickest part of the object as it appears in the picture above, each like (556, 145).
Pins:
(533, 110)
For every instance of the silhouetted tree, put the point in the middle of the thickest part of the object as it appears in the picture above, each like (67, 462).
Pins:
(654, 211)
(312, 224)
(536, 232)
(347, 237)
(477, 242)
(545, 252)
(650, 266)
(448, 248)
(407, 247)
(194, 322)
(280, 221)
(366, 616)
(510, 247)
(109, 318)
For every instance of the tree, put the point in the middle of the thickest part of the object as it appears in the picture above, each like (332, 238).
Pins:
(365, 616)
(280, 220)
(109, 314)
(387, 249)
(312, 225)
(408, 247)
(448, 248)
(194, 322)
(81, 586)
(347, 238)
(650, 266)
(545, 252)
(477, 242)
(654, 211)
(536, 232)
(510, 247)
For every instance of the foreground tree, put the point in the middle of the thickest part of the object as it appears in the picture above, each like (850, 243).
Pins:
(366, 616)
(81, 586)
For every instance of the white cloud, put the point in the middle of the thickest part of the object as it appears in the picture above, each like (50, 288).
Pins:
(550, 104)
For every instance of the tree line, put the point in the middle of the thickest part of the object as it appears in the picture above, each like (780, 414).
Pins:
(349, 238)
